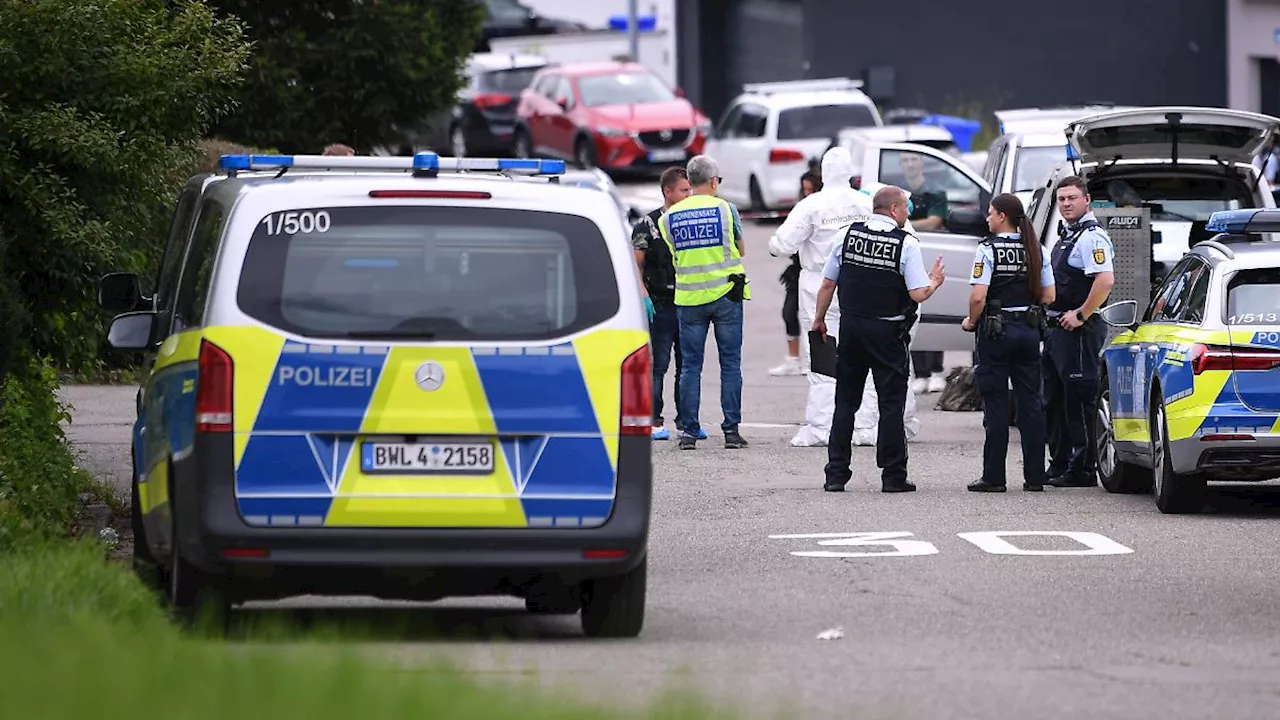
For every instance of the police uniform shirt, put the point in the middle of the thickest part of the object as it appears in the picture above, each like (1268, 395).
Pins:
(984, 266)
(910, 264)
(1093, 252)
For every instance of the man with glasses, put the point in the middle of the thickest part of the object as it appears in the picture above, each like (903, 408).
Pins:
(1083, 275)
(704, 234)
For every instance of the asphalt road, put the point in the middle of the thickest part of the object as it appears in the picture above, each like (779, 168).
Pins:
(1183, 623)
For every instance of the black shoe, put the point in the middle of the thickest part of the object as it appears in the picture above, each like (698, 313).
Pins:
(833, 486)
(688, 443)
(1052, 474)
(984, 486)
(903, 486)
(733, 441)
(1033, 487)
(1074, 480)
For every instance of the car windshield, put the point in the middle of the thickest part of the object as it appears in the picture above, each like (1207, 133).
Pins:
(623, 89)
(428, 272)
(822, 121)
(512, 80)
(1034, 164)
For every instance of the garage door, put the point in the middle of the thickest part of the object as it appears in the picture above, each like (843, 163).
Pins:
(764, 42)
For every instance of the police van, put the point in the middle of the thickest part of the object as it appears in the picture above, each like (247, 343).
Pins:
(405, 377)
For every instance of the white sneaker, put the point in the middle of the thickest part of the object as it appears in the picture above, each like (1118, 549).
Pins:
(790, 366)
(919, 386)
(937, 383)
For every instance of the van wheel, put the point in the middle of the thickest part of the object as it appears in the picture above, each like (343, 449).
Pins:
(145, 567)
(194, 596)
(1175, 494)
(755, 196)
(1116, 475)
(613, 607)
(523, 145)
(584, 153)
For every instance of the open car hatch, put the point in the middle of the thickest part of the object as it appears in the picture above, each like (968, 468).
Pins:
(1172, 133)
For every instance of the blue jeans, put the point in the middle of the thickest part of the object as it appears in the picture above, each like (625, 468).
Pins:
(695, 321)
(664, 334)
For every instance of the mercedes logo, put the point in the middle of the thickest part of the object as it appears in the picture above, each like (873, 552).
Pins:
(665, 134)
(430, 376)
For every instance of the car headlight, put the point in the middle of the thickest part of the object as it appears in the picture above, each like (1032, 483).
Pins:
(607, 131)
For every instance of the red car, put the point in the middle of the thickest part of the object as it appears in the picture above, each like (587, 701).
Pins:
(616, 116)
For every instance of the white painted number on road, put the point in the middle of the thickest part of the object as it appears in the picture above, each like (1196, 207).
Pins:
(294, 222)
(1095, 544)
(903, 548)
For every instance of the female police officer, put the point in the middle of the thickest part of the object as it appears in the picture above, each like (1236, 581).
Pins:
(1005, 310)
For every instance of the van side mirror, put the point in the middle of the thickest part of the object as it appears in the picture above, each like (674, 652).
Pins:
(563, 102)
(967, 222)
(119, 292)
(132, 331)
(1122, 314)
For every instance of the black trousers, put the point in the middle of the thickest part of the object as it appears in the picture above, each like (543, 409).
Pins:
(879, 348)
(791, 298)
(1016, 357)
(1071, 367)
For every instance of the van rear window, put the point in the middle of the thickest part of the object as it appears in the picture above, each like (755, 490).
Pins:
(433, 273)
(1253, 297)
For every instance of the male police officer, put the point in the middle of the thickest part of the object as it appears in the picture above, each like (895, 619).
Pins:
(1082, 273)
(659, 276)
(881, 278)
(704, 234)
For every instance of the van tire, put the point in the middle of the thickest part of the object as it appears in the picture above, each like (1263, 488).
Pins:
(613, 607)
(195, 599)
(755, 196)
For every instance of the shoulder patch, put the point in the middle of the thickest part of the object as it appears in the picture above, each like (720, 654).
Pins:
(1099, 256)
(977, 269)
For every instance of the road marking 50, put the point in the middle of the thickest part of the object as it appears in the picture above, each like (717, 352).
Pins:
(992, 542)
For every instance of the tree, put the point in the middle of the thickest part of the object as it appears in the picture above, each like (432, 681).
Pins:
(349, 71)
(101, 104)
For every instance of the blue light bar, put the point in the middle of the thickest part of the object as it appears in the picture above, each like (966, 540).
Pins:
(1234, 222)
(421, 161)
(1071, 152)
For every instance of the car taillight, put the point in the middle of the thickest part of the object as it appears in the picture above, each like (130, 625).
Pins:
(214, 389)
(489, 100)
(785, 155)
(636, 414)
(1213, 357)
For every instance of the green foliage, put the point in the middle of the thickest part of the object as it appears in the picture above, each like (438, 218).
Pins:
(327, 71)
(39, 481)
(100, 105)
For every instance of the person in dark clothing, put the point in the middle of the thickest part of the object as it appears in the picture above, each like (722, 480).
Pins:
(659, 275)
(1011, 282)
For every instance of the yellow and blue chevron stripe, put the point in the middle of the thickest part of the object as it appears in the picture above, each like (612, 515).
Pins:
(301, 409)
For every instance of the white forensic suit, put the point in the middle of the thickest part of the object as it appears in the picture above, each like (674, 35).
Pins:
(815, 226)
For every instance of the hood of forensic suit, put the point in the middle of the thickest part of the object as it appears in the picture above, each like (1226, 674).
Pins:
(837, 168)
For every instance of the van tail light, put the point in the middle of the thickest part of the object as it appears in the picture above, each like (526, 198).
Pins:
(785, 155)
(491, 100)
(1214, 357)
(637, 393)
(214, 389)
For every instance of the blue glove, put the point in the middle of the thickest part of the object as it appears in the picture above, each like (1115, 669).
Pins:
(648, 308)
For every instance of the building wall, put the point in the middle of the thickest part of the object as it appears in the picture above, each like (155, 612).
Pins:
(1252, 43)
(949, 55)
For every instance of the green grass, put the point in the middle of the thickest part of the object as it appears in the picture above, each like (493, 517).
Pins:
(81, 638)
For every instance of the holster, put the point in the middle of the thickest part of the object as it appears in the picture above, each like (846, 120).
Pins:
(739, 287)
(991, 324)
(904, 327)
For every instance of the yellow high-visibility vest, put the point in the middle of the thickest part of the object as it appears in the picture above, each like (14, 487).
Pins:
(699, 232)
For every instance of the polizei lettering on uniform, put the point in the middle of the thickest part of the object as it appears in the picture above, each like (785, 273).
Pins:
(1009, 257)
(875, 251)
(692, 229)
(325, 376)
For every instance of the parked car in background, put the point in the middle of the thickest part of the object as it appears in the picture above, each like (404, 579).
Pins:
(484, 119)
(511, 18)
(612, 115)
(767, 135)
(856, 139)
(1182, 173)
(1031, 143)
